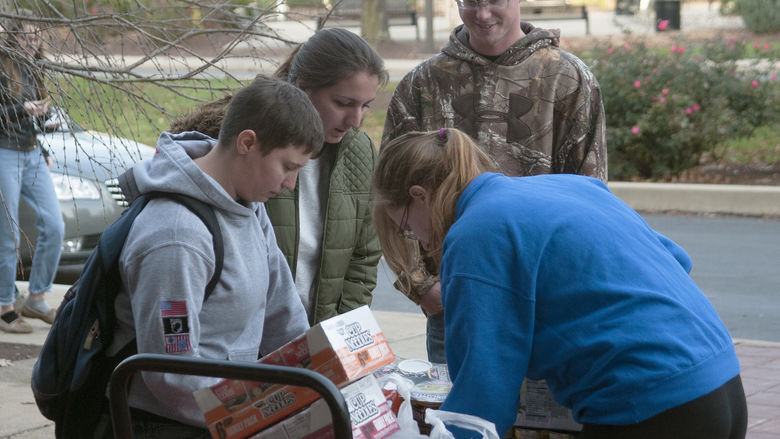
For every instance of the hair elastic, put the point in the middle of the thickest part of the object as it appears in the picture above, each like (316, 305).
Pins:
(443, 134)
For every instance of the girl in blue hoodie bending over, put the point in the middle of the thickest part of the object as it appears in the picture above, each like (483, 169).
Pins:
(553, 277)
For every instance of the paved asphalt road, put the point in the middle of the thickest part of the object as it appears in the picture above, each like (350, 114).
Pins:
(736, 262)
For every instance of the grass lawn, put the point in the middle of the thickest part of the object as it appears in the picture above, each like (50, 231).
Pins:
(139, 112)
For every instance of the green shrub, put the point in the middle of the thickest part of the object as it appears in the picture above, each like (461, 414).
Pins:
(727, 7)
(761, 147)
(666, 107)
(315, 4)
(759, 15)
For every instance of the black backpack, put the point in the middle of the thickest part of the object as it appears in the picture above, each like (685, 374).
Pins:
(69, 378)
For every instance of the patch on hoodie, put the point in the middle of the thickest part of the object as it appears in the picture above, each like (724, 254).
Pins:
(176, 326)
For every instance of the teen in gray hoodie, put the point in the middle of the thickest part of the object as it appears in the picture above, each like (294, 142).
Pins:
(270, 131)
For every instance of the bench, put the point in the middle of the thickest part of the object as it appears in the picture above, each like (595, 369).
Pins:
(399, 11)
(537, 10)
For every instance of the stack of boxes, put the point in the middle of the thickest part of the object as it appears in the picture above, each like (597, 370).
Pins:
(346, 349)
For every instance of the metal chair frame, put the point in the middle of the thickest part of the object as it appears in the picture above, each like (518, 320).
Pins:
(295, 376)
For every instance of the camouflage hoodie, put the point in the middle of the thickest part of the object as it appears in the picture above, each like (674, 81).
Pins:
(536, 109)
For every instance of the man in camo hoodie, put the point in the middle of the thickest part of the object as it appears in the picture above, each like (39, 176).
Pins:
(534, 108)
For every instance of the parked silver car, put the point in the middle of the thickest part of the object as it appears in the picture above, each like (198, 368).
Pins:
(86, 165)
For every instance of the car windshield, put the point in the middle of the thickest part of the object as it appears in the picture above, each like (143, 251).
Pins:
(57, 121)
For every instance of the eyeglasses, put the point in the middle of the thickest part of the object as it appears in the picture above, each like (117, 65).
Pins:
(403, 229)
(473, 5)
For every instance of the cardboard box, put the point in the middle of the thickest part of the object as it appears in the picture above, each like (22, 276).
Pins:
(341, 348)
(538, 409)
(369, 411)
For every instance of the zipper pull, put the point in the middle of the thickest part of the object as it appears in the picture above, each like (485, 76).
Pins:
(94, 332)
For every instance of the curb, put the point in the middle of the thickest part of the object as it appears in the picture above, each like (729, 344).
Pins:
(241, 67)
(758, 343)
(723, 199)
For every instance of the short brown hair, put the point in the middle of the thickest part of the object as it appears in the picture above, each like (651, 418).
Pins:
(279, 113)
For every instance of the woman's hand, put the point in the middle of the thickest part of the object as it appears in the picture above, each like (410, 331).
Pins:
(36, 108)
(51, 125)
(431, 301)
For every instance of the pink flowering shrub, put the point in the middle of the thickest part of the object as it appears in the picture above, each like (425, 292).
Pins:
(666, 107)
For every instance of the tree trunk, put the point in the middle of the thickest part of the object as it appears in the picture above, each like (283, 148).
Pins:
(373, 26)
(429, 27)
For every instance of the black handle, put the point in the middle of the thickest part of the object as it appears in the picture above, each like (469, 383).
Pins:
(295, 376)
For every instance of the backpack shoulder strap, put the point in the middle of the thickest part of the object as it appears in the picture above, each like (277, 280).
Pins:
(209, 218)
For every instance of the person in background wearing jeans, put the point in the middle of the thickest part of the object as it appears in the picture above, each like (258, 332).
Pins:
(532, 107)
(24, 174)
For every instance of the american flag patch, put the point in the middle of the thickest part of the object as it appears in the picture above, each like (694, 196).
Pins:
(173, 308)
(175, 344)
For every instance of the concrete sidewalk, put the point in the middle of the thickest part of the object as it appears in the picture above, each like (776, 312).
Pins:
(19, 416)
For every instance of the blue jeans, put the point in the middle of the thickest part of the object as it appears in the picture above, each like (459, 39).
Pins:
(434, 338)
(24, 174)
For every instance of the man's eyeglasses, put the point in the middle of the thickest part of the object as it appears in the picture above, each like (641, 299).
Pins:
(403, 229)
(473, 5)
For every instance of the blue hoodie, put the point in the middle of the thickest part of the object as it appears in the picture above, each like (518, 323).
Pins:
(167, 261)
(569, 284)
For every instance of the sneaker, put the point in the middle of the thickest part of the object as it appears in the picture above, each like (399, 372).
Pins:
(47, 317)
(11, 322)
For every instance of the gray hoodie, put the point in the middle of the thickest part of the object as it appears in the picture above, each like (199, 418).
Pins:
(167, 261)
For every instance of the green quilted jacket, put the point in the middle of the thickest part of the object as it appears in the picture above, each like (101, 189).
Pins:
(350, 248)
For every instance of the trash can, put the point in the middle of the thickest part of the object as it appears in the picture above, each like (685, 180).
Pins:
(667, 15)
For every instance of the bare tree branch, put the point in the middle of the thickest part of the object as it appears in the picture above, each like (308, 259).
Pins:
(129, 46)
(127, 68)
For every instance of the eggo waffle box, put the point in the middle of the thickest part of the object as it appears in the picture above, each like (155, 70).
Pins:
(370, 414)
(342, 348)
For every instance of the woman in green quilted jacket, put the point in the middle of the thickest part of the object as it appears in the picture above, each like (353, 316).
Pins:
(324, 226)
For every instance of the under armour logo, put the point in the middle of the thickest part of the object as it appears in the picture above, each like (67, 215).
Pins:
(518, 106)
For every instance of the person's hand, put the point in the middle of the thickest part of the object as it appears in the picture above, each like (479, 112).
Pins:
(431, 301)
(49, 161)
(36, 108)
(56, 120)
(51, 124)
